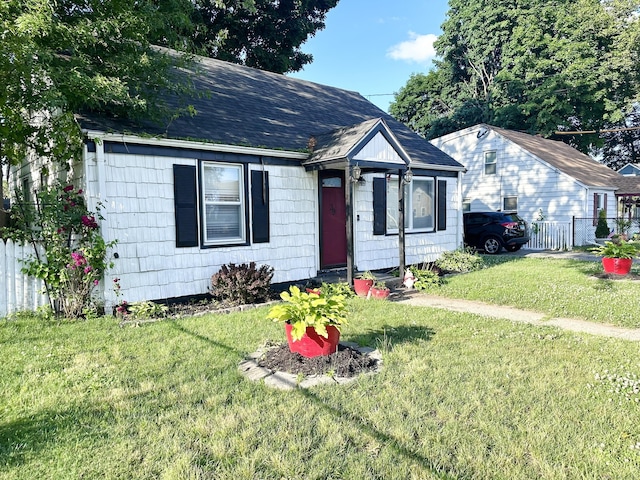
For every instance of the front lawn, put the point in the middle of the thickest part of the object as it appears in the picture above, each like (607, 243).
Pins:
(459, 396)
(558, 288)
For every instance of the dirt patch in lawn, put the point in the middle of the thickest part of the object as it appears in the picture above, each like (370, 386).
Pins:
(346, 362)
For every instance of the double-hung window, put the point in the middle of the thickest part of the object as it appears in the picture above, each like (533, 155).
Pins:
(223, 203)
(419, 201)
(490, 162)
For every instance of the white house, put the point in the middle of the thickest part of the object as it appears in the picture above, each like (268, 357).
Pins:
(537, 177)
(300, 176)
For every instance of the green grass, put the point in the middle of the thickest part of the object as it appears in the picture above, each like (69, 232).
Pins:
(459, 396)
(558, 288)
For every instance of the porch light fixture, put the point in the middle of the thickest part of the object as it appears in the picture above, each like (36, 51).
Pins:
(356, 173)
(408, 176)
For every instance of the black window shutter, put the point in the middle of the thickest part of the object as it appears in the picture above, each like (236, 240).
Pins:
(186, 205)
(379, 206)
(442, 204)
(260, 205)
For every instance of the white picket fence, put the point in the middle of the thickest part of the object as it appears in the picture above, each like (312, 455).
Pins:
(551, 236)
(18, 292)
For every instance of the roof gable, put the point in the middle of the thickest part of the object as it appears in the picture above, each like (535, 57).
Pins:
(556, 154)
(370, 144)
(249, 107)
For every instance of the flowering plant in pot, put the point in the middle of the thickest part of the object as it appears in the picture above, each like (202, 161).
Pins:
(617, 256)
(363, 283)
(312, 321)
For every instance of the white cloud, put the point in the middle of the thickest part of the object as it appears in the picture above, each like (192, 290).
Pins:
(418, 49)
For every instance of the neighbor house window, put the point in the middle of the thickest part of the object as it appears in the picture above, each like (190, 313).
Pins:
(490, 162)
(419, 198)
(466, 204)
(223, 203)
(510, 204)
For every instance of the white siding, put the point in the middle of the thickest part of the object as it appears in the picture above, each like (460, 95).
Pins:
(537, 185)
(375, 252)
(139, 213)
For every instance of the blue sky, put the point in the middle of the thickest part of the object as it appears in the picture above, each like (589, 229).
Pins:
(373, 46)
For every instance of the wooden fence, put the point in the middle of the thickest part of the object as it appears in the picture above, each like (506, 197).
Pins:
(550, 236)
(18, 292)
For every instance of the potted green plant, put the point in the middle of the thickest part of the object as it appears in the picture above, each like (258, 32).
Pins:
(312, 322)
(379, 290)
(363, 283)
(617, 256)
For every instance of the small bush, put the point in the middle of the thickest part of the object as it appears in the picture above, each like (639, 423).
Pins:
(147, 309)
(341, 288)
(242, 284)
(461, 260)
(425, 278)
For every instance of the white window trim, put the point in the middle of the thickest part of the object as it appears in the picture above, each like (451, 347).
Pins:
(494, 162)
(409, 205)
(242, 239)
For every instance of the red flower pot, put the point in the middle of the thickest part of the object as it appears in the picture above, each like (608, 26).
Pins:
(380, 292)
(619, 266)
(362, 286)
(313, 345)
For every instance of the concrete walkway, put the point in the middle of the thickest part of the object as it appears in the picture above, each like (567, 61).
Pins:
(516, 315)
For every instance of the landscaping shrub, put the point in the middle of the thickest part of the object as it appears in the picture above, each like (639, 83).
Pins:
(341, 288)
(242, 284)
(602, 228)
(425, 277)
(462, 260)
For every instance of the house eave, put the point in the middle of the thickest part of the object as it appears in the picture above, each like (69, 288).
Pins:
(187, 144)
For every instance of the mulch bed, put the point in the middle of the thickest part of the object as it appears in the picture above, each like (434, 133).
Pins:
(346, 362)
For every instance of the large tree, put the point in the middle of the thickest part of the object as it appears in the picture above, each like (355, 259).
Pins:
(58, 58)
(534, 65)
(265, 34)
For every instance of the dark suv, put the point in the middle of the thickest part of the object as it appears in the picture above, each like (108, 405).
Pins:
(491, 231)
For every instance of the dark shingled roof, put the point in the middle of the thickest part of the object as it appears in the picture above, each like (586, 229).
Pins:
(251, 107)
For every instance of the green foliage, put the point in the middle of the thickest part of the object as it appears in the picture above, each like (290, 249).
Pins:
(425, 278)
(617, 249)
(602, 228)
(304, 310)
(58, 59)
(242, 284)
(260, 33)
(536, 66)
(368, 275)
(147, 309)
(462, 260)
(341, 288)
(74, 256)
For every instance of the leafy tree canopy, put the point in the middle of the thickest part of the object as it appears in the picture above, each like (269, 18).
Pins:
(265, 34)
(59, 58)
(532, 65)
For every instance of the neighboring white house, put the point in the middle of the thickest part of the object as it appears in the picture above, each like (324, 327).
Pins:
(275, 170)
(537, 177)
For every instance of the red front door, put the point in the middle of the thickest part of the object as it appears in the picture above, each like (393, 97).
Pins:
(333, 220)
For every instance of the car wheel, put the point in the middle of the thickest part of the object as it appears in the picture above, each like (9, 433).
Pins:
(513, 248)
(492, 245)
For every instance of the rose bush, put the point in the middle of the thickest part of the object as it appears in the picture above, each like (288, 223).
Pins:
(71, 255)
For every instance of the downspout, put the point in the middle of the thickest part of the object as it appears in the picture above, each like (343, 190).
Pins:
(459, 223)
